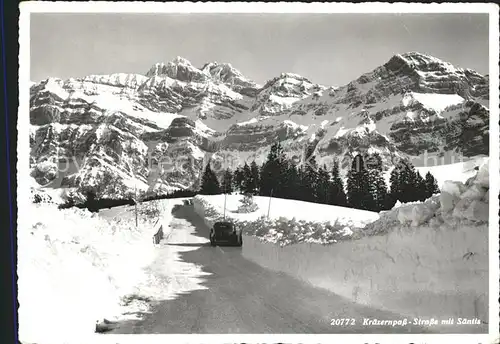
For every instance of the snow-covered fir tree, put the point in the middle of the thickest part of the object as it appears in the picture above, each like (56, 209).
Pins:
(336, 192)
(209, 182)
(273, 171)
(407, 185)
(378, 187)
(255, 176)
(227, 181)
(431, 185)
(358, 185)
(238, 178)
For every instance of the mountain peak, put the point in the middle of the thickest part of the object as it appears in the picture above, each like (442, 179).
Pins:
(286, 78)
(414, 56)
(226, 73)
(293, 76)
(179, 68)
(181, 60)
(227, 67)
(421, 61)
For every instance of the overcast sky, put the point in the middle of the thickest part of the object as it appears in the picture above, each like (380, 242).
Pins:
(330, 49)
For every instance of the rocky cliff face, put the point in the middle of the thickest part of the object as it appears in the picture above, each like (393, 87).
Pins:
(153, 132)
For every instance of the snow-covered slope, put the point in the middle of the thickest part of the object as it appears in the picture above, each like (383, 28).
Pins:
(126, 126)
(77, 268)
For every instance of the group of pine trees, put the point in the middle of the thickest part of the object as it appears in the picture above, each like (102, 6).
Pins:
(281, 177)
(367, 189)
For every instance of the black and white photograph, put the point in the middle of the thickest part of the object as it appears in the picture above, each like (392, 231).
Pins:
(255, 169)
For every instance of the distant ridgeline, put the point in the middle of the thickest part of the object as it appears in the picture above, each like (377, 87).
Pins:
(119, 130)
(94, 204)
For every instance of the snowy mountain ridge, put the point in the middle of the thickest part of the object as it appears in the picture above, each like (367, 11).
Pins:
(122, 127)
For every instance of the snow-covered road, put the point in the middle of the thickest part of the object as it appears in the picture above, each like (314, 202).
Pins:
(217, 290)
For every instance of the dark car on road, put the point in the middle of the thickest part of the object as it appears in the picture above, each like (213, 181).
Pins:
(225, 232)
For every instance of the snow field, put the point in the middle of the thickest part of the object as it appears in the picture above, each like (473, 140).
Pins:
(302, 211)
(459, 171)
(75, 268)
(438, 102)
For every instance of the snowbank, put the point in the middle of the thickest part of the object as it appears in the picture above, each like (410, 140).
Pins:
(425, 259)
(425, 273)
(290, 221)
(76, 267)
(459, 171)
(458, 204)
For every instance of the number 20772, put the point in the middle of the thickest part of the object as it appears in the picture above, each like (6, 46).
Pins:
(342, 322)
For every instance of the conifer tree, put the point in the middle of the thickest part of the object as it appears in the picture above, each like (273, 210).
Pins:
(238, 179)
(378, 188)
(419, 187)
(336, 192)
(358, 187)
(310, 183)
(302, 187)
(407, 185)
(272, 171)
(209, 182)
(292, 183)
(91, 201)
(395, 188)
(248, 183)
(431, 185)
(255, 175)
(323, 185)
(227, 181)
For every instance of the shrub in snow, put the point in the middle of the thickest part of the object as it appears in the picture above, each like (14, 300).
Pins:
(284, 231)
(38, 196)
(150, 209)
(247, 205)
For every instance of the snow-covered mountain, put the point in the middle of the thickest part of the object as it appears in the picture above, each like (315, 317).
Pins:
(115, 131)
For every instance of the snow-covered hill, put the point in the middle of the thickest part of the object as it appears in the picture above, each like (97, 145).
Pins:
(125, 127)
